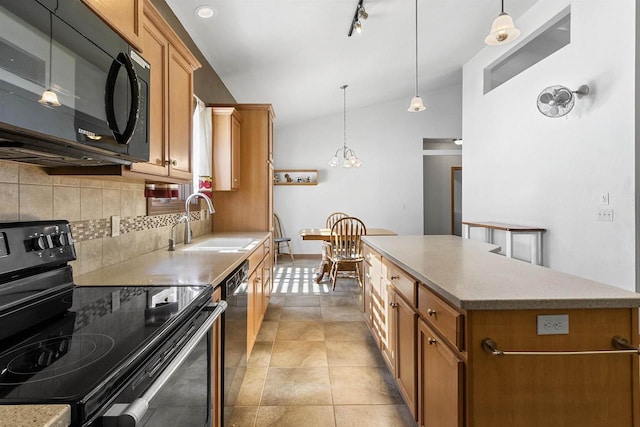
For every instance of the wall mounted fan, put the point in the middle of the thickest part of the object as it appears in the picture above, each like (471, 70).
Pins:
(558, 101)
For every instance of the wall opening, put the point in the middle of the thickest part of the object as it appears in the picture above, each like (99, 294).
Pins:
(550, 38)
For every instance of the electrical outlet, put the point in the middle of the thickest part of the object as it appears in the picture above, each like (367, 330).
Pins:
(605, 215)
(604, 198)
(115, 226)
(553, 324)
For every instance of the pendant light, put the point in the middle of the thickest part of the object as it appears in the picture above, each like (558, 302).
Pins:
(503, 30)
(349, 158)
(416, 104)
(49, 97)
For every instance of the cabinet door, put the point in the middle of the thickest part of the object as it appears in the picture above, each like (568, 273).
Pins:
(405, 326)
(440, 379)
(156, 52)
(235, 152)
(366, 293)
(180, 109)
(123, 16)
(388, 326)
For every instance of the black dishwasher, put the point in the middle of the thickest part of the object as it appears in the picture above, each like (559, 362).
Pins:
(234, 337)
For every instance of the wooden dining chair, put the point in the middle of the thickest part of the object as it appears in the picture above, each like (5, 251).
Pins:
(279, 238)
(331, 219)
(346, 247)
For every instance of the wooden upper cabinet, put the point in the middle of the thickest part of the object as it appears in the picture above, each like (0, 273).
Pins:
(123, 16)
(226, 131)
(171, 100)
(156, 52)
(180, 114)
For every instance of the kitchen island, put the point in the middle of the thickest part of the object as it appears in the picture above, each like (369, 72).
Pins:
(477, 339)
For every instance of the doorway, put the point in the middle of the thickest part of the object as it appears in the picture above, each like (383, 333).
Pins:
(439, 187)
(456, 200)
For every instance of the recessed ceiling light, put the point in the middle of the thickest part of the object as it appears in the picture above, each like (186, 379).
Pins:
(205, 11)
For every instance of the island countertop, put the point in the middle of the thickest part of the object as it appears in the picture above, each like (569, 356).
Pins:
(471, 277)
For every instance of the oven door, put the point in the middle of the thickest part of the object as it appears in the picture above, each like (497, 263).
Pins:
(182, 390)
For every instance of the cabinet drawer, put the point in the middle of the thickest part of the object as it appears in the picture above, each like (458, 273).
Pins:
(404, 284)
(443, 317)
(256, 257)
(373, 258)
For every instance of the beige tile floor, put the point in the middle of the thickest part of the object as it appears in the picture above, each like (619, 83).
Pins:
(315, 363)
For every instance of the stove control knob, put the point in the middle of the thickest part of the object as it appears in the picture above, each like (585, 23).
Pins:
(39, 243)
(59, 240)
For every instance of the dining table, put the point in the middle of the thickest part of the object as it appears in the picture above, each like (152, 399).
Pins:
(324, 234)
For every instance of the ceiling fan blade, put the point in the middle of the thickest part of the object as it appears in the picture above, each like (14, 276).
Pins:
(554, 111)
(563, 97)
(546, 97)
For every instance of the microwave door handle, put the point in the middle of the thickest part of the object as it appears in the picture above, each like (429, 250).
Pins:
(125, 136)
(130, 414)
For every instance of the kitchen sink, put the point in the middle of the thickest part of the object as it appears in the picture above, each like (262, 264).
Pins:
(224, 244)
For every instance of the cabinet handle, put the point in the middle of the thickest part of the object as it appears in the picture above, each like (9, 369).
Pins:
(621, 345)
(393, 304)
(432, 341)
(395, 277)
(431, 312)
(171, 162)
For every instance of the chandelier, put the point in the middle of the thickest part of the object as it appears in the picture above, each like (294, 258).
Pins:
(345, 154)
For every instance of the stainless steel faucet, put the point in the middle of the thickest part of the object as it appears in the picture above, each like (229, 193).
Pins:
(187, 224)
(172, 237)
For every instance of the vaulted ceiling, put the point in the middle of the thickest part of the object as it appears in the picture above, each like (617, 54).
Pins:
(296, 54)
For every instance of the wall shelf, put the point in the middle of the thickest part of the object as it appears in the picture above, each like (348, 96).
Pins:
(295, 177)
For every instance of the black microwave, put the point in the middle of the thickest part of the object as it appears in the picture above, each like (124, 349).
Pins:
(72, 91)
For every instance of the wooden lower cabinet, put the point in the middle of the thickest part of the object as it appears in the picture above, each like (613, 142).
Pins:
(440, 381)
(403, 332)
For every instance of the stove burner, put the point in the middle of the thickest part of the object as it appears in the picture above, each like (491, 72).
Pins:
(52, 358)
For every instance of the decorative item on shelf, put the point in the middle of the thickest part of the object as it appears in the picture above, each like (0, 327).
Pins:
(359, 16)
(558, 101)
(503, 30)
(295, 177)
(49, 97)
(349, 157)
(205, 185)
(416, 104)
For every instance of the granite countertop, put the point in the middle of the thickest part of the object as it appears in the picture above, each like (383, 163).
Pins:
(35, 415)
(179, 267)
(469, 276)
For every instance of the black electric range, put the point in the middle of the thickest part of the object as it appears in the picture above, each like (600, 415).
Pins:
(82, 345)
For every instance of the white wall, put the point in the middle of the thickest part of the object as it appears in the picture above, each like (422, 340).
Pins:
(521, 167)
(386, 191)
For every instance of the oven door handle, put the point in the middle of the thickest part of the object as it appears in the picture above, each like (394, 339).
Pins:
(130, 414)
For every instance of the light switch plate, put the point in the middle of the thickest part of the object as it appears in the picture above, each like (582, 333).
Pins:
(553, 324)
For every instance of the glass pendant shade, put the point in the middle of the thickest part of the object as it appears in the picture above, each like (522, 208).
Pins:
(416, 105)
(49, 98)
(348, 156)
(503, 31)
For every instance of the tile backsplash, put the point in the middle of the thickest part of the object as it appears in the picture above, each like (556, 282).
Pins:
(28, 193)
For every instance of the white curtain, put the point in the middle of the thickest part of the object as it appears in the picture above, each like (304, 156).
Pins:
(202, 148)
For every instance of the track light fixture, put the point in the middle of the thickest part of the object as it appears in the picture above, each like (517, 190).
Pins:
(359, 15)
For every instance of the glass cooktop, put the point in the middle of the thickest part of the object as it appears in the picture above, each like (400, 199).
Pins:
(106, 333)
